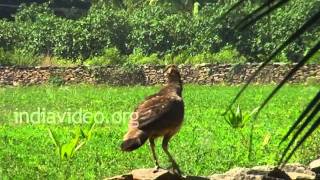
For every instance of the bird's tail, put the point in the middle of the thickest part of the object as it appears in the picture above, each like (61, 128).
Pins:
(133, 140)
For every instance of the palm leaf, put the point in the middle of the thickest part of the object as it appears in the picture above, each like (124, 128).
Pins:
(313, 108)
(233, 7)
(290, 74)
(302, 116)
(302, 140)
(259, 13)
(315, 111)
(313, 20)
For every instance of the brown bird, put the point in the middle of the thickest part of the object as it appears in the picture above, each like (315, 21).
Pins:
(159, 115)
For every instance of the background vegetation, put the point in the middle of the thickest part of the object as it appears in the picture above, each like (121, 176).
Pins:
(206, 140)
(153, 32)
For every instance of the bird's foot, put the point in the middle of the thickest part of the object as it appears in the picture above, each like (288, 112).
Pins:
(156, 169)
(176, 170)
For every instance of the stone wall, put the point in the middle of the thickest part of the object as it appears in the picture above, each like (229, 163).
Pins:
(153, 74)
(290, 171)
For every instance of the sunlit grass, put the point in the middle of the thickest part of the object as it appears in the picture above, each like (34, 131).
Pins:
(206, 143)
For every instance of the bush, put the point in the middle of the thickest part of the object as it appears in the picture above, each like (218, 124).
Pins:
(60, 62)
(37, 26)
(159, 29)
(111, 56)
(315, 59)
(270, 32)
(281, 58)
(207, 30)
(228, 54)
(102, 28)
(18, 57)
(21, 57)
(56, 80)
(8, 34)
(37, 29)
(137, 57)
(181, 58)
(4, 57)
(225, 55)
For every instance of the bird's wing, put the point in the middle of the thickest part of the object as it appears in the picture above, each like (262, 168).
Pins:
(152, 109)
(162, 92)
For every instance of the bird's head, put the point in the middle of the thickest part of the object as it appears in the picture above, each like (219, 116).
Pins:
(172, 74)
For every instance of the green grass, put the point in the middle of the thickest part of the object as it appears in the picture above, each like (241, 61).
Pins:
(205, 145)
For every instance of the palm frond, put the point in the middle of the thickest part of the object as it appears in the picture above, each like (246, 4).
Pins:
(233, 7)
(259, 13)
(313, 109)
(303, 139)
(310, 106)
(290, 74)
(309, 23)
(303, 126)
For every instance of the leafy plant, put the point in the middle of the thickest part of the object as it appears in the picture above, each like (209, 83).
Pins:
(4, 57)
(225, 55)
(181, 58)
(315, 59)
(60, 62)
(110, 56)
(159, 29)
(56, 80)
(309, 115)
(68, 150)
(238, 119)
(18, 57)
(165, 27)
(139, 58)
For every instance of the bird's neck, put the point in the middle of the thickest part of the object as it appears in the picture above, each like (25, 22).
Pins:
(174, 80)
(175, 87)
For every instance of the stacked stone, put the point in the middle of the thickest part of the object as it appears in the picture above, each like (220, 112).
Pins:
(153, 74)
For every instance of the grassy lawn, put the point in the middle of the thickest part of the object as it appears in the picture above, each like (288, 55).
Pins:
(205, 145)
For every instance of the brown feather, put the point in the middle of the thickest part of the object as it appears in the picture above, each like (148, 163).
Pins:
(160, 114)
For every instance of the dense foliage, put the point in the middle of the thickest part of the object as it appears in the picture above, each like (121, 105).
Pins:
(163, 31)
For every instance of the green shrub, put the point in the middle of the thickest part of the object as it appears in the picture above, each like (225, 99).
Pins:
(102, 28)
(281, 58)
(205, 57)
(206, 30)
(156, 30)
(181, 58)
(60, 62)
(228, 55)
(22, 57)
(168, 59)
(4, 57)
(270, 32)
(56, 80)
(37, 26)
(315, 59)
(8, 34)
(159, 29)
(18, 57)
(137, 57)
(39, 30)
(225, 55)
(110, 56)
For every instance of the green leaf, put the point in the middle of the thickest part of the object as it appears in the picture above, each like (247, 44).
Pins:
(55, 141)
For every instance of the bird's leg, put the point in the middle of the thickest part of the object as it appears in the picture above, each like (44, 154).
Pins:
(175, 166)
(152, 146)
